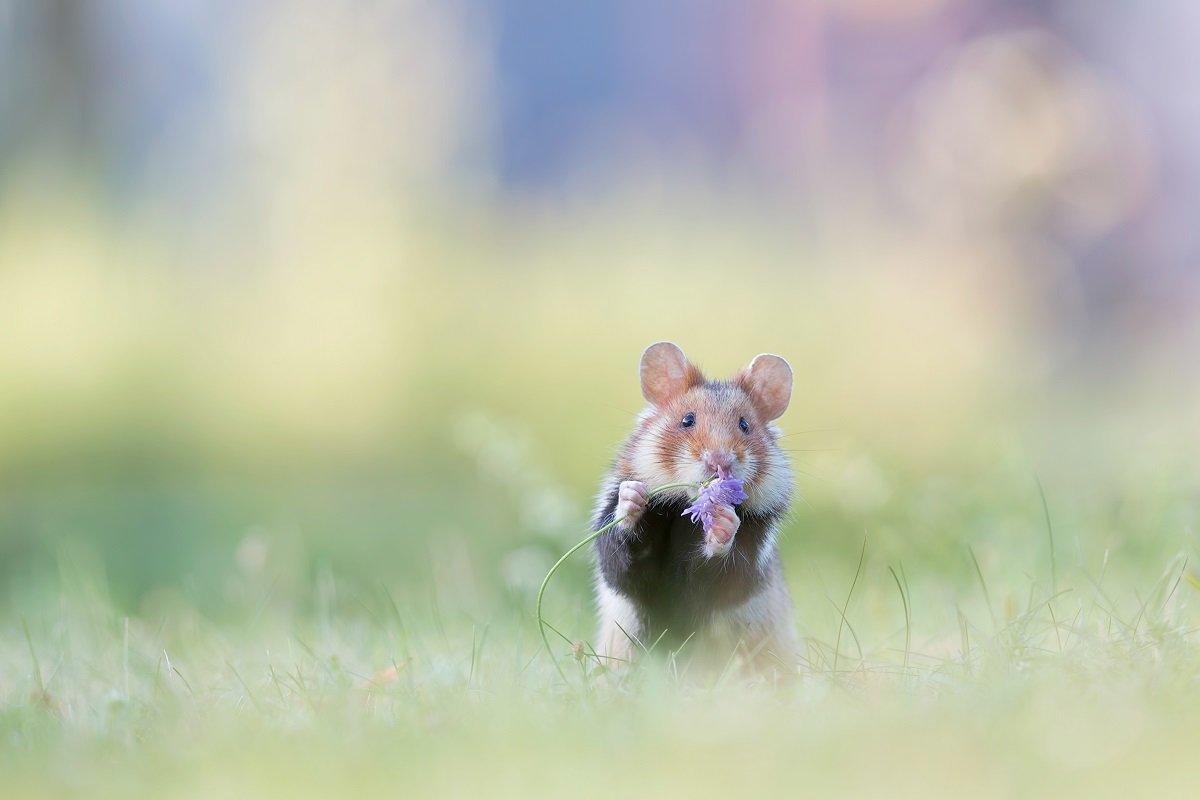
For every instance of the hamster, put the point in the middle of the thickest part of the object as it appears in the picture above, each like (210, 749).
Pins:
(659, 575)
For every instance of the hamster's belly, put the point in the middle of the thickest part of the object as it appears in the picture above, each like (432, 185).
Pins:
(693, 588)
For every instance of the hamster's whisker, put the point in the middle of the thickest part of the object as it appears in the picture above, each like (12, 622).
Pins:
(810, 430)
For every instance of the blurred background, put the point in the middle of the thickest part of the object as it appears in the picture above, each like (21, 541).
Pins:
(297, 294)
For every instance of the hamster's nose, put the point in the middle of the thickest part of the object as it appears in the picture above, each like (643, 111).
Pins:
(717, 459)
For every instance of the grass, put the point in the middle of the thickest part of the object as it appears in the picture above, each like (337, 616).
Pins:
(1088, 691)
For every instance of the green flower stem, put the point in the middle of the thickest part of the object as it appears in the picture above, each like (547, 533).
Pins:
(584, 543)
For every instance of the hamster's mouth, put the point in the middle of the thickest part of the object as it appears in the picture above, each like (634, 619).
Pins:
(735, 472)
(700, 469)
(702, 475)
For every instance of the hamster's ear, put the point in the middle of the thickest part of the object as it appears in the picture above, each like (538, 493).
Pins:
(666, 373)
(768, 381)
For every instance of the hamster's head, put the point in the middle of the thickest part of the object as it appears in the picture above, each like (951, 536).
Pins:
(694, 428)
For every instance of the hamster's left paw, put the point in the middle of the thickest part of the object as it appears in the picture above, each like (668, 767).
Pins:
(719, 539)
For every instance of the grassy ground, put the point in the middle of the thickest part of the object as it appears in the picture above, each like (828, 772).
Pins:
(1027, 666)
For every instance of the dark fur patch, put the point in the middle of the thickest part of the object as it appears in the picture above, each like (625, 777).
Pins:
(660, 567)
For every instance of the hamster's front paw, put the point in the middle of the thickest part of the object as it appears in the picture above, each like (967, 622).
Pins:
(631, 502)
(719, 539)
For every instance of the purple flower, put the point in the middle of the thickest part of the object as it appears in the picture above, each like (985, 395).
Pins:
(722, 490)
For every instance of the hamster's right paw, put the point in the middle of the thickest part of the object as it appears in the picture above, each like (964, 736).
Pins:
(631, 502)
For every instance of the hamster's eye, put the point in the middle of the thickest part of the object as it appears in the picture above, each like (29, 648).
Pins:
(745, 426)
(689, 419)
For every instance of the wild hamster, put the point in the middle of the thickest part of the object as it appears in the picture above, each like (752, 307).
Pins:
(658, 573)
